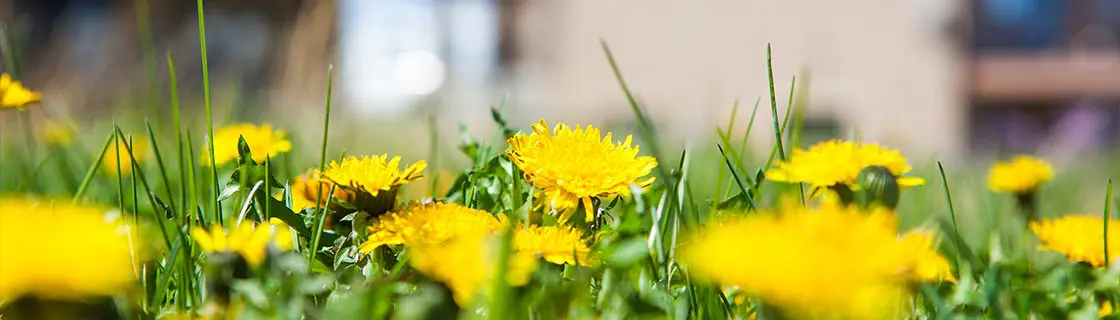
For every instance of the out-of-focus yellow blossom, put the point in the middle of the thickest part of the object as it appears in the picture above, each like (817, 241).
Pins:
(263, 141)
(305, 187)
(429, 223)
(1022, 174)
(836, 162)
(837, 261)
(556, 244)
(466, 264)
(14, 95)
(123, 160)
(249, 240)
(573, 166)
(58, 133)
(1079, 237)
(1106, 309)
(63, 251)
(927, 265)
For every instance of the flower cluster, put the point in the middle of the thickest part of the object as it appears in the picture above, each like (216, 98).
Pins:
(455, 244)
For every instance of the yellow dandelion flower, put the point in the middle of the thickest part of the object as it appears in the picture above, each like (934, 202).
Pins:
(428, 223)
(14, 95)
(466, 264)
(572, 166)
(1106, 309)
(374, 181)
(263, 141)
(1023, 174)
(1079, 237)
(556, 244)
(927, 265)
(832, 262)
(248, 240)
(123, 160)
(836, 162)
(62, 251)
(310, 187)
(58, 133)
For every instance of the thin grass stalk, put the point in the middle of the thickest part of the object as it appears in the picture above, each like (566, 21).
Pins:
(320, 208)
(209, 112)
(952, 216)
(93, 169)
(162, 168)
(1107, 218)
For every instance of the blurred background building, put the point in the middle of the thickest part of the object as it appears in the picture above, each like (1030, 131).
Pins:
(944, 77)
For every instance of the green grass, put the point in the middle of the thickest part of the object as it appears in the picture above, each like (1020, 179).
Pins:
(167, 194)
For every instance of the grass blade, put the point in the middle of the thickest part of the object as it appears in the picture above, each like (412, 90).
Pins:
(159, 162)
(209, 111)
(93, 169)
(952, 215)
(773, 105)
(1107, 218)
(320, 212)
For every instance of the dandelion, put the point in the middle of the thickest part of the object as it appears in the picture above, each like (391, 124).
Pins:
(248, 240)
(374, 181)
(1021, 176)
(1079, 237)
(927, 265)
(309, 188)
(836, 164)
(263, 141)
(13, 95)
(432, 223)
(467, 263)
(58, 133)
(117, 156)
(556, 244)
(573, 166)
(836, 261)
(62, 252)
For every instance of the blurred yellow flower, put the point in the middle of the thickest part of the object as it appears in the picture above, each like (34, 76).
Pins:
(263, 141)
(572, 166)
(248, 240)
(1022, 174)
(836, 162)
(927, 265)
(556, 244)
(428, 223)
(466, 264)
(63, 251)
(832, 262)
(306, 186)
(1079, 237)
(58, 133)
(124, 160)
(14, 95)
(1106, 309)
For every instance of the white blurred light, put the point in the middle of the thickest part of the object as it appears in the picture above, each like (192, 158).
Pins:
(418, 72)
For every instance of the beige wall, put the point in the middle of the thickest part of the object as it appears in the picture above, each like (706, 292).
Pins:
(886, 67)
